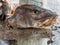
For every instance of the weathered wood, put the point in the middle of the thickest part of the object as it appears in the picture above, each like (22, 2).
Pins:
(24, 33)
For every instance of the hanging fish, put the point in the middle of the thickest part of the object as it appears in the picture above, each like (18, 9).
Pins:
(31, 16)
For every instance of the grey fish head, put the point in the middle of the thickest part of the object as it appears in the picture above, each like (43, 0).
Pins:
(32, 16)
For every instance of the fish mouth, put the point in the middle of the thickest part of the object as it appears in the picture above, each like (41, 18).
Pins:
(47, 21)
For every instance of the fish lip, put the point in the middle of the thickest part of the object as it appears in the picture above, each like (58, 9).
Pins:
(53, 16)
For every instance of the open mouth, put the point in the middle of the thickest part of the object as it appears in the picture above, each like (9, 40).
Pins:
(47, 22)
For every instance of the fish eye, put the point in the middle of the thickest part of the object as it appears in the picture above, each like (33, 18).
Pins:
(36, 12)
